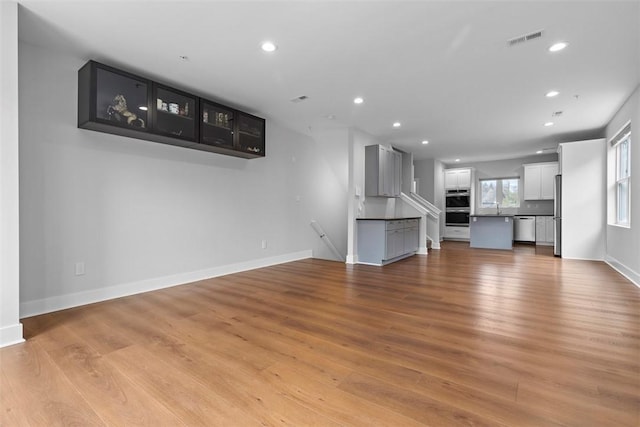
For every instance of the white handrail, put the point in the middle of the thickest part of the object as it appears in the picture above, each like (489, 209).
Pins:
(431, 217)
(323, 236)
(433, 210)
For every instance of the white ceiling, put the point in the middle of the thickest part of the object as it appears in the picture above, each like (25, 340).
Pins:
(443, 69)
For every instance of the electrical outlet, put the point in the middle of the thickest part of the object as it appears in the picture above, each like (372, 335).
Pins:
(264, 244)
(79, 268)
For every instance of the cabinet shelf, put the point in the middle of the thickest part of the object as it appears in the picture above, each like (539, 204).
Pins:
(178, 116)
(252, 135)
(120, 103)
(216, 126)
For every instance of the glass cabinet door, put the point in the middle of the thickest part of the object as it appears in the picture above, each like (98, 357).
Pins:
(216, 127)
(250, 137)
(121, 100)
(174, 113)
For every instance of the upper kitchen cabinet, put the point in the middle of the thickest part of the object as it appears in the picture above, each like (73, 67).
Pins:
(539, 180)
(383, 171)
(113, 101)
(457, 178)
(174, 113)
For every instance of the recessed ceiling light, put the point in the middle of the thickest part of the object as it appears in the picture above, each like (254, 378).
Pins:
(539, 152)
(558, 46)
(358, 100)
(268, 46)
(397, 124)
(547, 124)
(425, 142)
(552, 93)
(457, 160)
(142, 108)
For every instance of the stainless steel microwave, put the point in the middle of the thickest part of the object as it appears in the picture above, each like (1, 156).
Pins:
(457, 199)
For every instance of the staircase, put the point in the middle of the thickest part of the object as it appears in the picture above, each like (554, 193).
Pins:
(430, 213)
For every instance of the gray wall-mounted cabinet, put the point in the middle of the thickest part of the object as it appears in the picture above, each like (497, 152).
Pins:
(383, 171)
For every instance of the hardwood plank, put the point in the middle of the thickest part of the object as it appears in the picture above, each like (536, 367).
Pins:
(193, 402)
(228, 395)
(564, 407)
(43, 395)
(299, 384)
(112, 395)
(414, 405)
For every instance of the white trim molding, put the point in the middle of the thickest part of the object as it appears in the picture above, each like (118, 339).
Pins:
(633, 276)
(10, 335)
(61, 302)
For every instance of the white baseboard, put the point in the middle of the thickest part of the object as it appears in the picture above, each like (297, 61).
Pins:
(351, 259)
(10, 335)
(633, 276)
(422, 251)
(61, 302)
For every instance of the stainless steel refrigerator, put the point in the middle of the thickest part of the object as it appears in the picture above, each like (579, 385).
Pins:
(557, 217)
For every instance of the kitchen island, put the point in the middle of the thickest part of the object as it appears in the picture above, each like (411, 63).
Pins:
(491, 231)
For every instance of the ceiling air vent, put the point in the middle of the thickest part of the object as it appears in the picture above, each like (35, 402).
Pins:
(525, 38)
(299, 99)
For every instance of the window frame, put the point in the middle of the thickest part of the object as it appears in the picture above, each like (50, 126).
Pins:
(622, 176)
(499, 189)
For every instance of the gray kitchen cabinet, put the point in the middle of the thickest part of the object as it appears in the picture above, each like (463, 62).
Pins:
(383, 171)
(544, 230)
(382, 241)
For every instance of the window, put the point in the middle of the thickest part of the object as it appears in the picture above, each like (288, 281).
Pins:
(503, 191)
(622, 145)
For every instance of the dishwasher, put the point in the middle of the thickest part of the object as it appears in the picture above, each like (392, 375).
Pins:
(524, 229)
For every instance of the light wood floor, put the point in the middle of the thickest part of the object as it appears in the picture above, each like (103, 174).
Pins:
(459, 337)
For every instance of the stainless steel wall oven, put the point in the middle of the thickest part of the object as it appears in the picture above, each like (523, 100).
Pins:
(457, 217)
(458, 207)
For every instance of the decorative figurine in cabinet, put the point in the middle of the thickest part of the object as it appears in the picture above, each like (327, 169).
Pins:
(112, 100)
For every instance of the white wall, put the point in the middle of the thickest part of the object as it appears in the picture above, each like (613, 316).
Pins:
(10, 326)
(143, 215)
(583, 169)
(623, 244)
(324, 185)
(424, 173)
